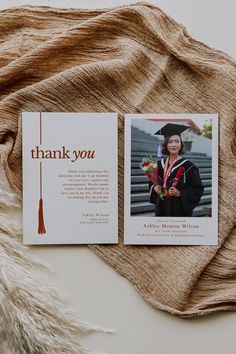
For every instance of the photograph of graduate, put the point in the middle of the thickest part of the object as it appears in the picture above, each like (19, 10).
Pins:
(171, 168)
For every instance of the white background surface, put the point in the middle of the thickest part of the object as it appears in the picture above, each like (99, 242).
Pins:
(101, 296)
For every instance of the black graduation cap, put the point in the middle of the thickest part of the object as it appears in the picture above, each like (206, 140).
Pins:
(171, 129)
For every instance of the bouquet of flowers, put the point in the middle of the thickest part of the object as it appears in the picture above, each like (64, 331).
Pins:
(149, 166)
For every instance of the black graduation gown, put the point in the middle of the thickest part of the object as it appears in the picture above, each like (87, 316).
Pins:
(189, 185)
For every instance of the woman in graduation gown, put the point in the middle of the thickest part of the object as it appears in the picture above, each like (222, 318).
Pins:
(179, 187)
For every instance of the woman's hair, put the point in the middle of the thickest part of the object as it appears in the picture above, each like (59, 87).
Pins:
(165, 142)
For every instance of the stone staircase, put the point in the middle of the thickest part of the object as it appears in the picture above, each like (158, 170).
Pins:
(143, 145)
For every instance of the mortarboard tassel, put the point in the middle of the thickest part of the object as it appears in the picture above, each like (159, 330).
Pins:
(159, 150)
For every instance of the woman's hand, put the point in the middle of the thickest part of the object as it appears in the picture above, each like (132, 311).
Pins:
(174, 192)
(157, 189)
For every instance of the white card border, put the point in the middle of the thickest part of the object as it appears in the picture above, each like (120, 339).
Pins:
(114, 236)
(130, 222)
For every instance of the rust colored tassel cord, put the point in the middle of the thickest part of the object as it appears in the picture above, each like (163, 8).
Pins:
(41, 226)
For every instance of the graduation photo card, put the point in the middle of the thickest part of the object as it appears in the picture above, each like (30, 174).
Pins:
(70, 178)
(171, 179)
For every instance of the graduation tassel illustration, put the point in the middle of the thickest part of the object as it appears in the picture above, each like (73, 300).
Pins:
(41, 226)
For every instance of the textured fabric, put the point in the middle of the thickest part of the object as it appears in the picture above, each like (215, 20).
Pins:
(128, 59)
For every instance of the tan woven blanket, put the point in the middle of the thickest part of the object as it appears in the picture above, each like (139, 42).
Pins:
(127, 59)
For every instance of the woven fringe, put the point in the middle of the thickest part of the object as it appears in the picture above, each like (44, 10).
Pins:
(33, 318)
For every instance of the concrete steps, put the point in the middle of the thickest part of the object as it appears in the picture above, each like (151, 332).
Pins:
(198, 155)
(136, 165)
(144, 179)
(198, 211)
(202, 159)
(143, 187)
(139, 172)
(144, 197)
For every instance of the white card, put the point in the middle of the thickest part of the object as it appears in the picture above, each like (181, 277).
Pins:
(171, 201)
(70, 178)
